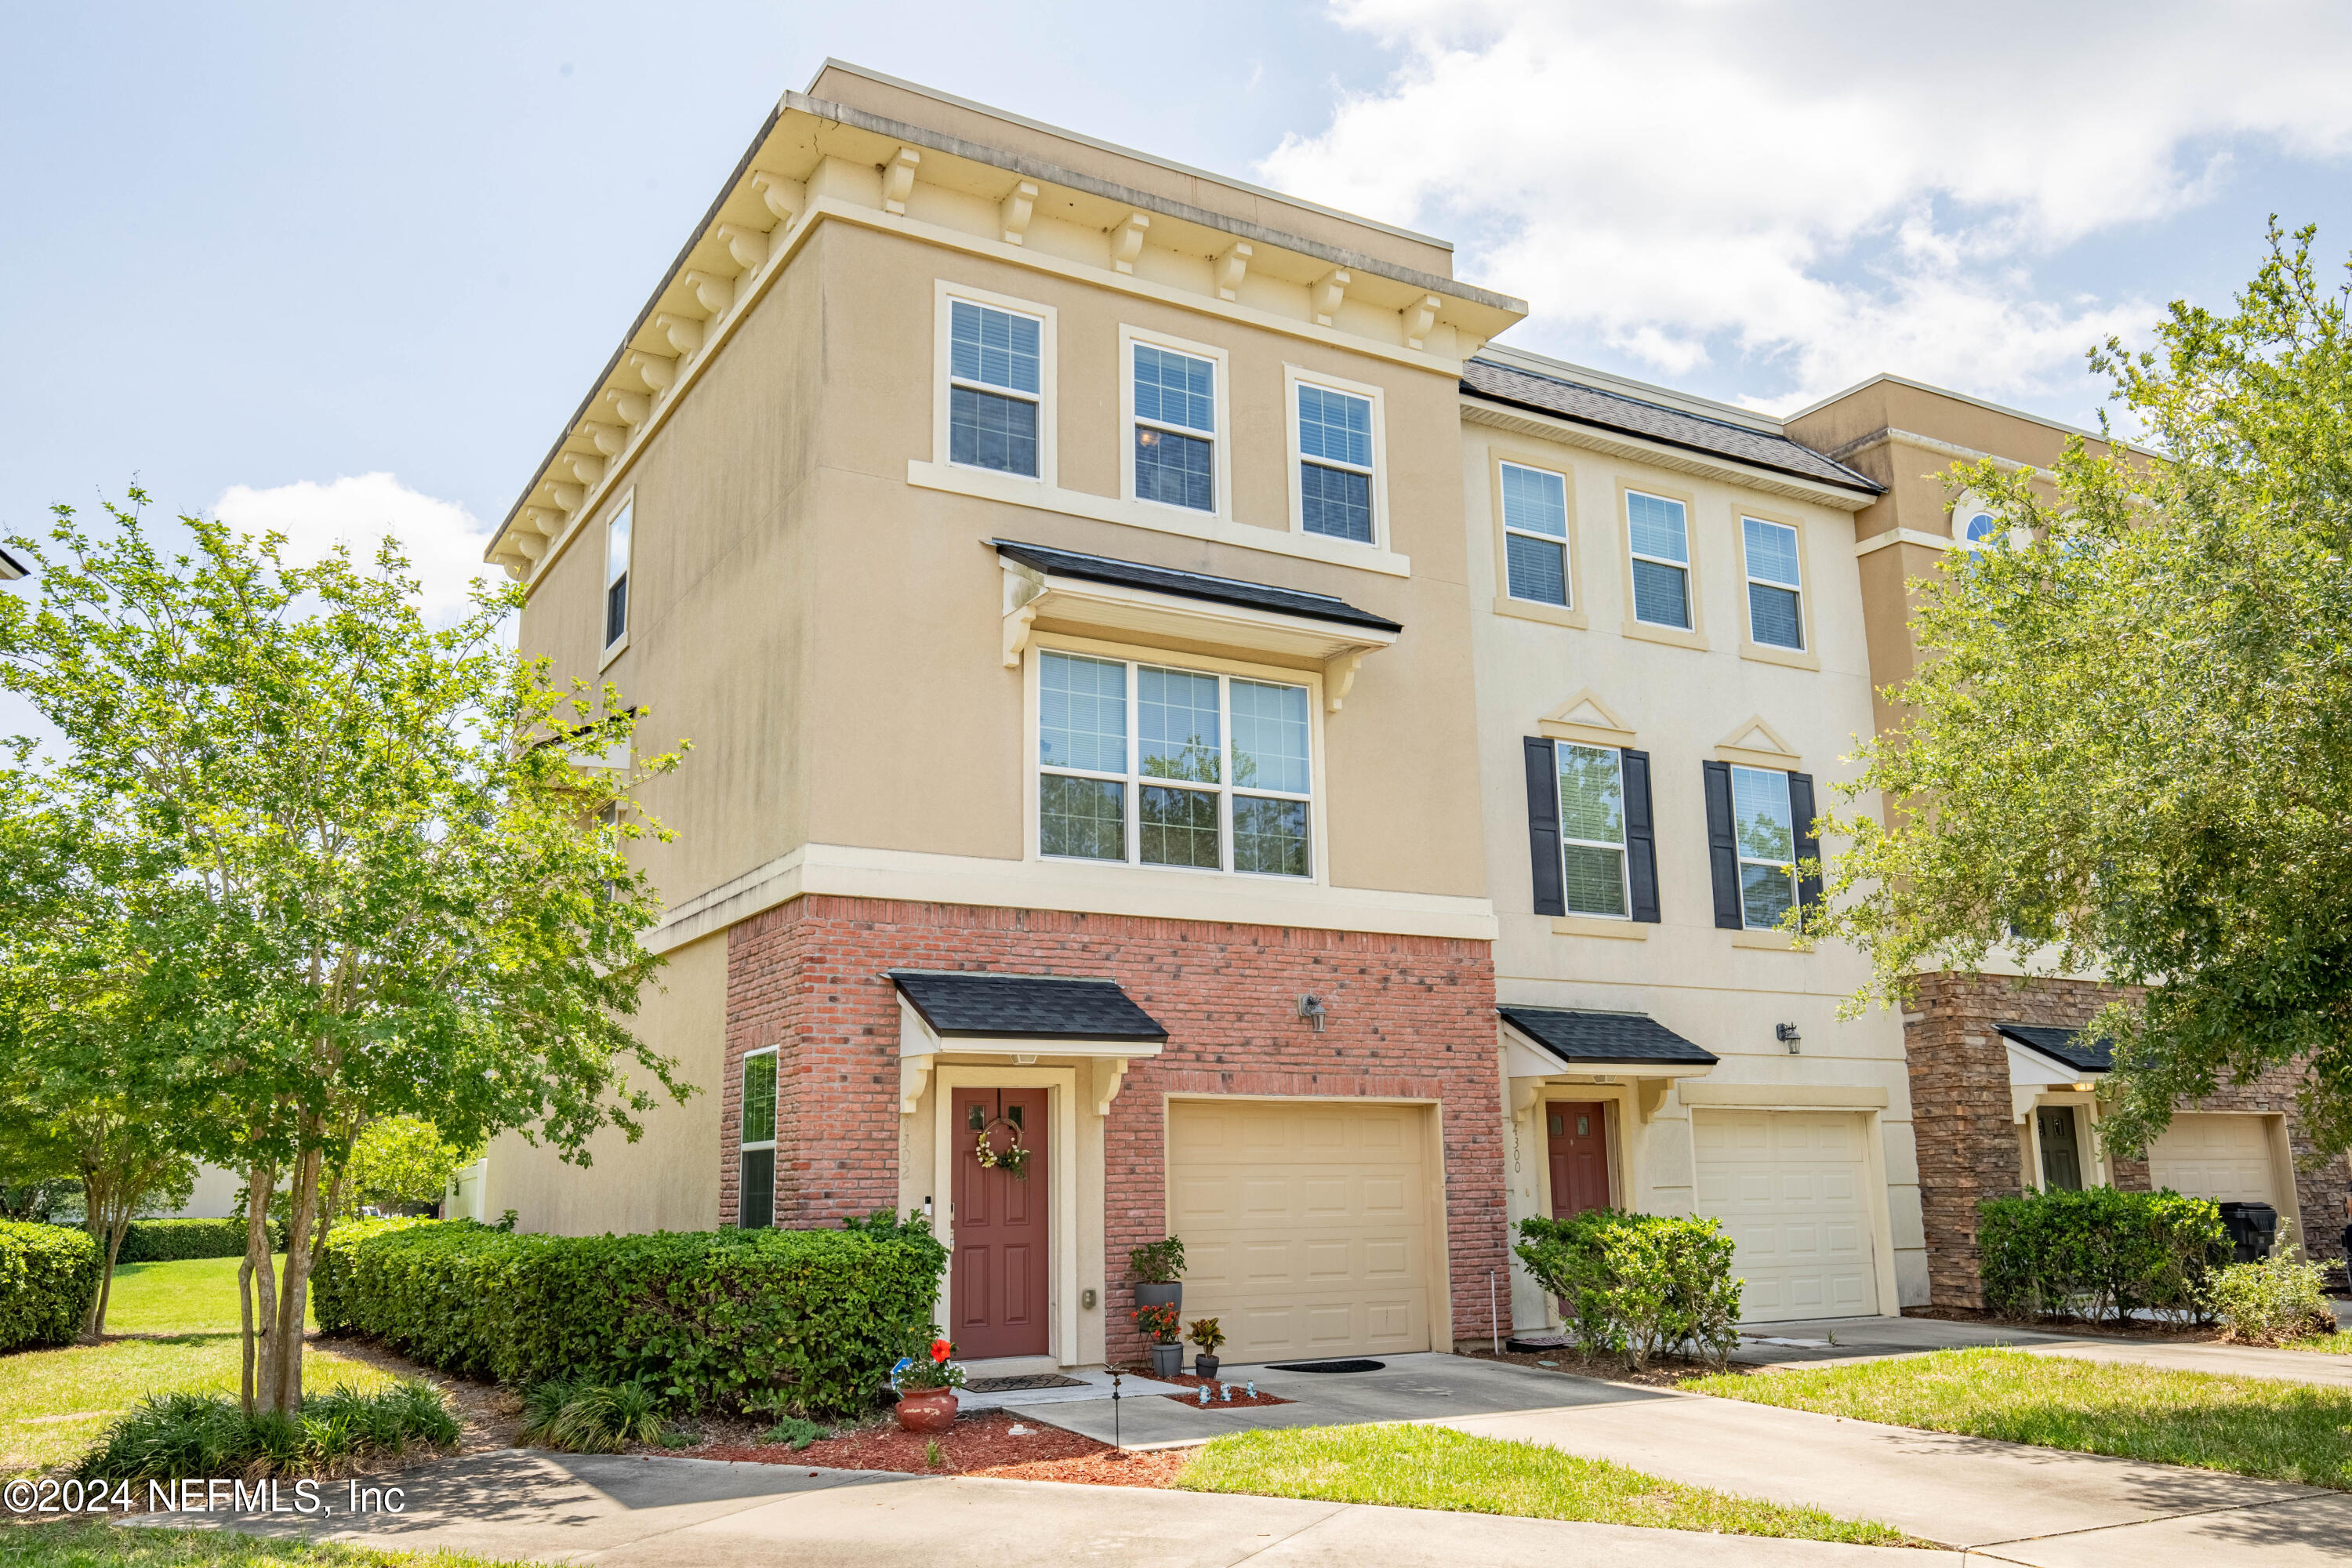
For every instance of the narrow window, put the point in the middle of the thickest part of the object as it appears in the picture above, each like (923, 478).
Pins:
(1776, 615)
(1592, 830)
(616, 575)
(1335, 463)
(1177, 731)
(1535, 534)
(1175, 429)
(993, 388)
(1082, 756)
(1270, 762)
(1765, 829)
(756, 1194)
(1658, 530)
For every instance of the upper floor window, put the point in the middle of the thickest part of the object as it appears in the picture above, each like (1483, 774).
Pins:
(1776, 615)
(617, 574)
(1335, 463)
(1175, 404)
(1592, 830)
(755, 1190)
(1658, 533)
(1156, 766)
(995, 387)
(1535, 534)
(1764, 826)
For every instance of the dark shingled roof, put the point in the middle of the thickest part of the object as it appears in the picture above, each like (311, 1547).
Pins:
(2075, 1047)
(1604, 1037)
(1192, 584)
(1026, 1007)
(1655, 421)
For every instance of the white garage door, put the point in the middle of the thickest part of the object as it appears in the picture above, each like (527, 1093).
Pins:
(1790, 1189)
(1306, 1225)
(2216, 1156)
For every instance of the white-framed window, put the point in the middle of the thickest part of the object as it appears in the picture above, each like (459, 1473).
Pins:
(1657, 535)
(755, 1192)
(617, 528)
(1764, 828)
(1592, 830)
(999, 374)
(1145, 764)
(1776, 607)
(1172, 396)
(1974, 524)
(1535, 533)
(1335, 449)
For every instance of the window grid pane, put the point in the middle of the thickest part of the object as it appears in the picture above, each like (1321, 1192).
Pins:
(1176, 724)
(759, 1099)
(1658, 528)
(1336, 502)
(1592, 830)
(1175, 470)
(1175, 389)
(1764, 826)
(1538, 569)
(1082, 714)
(1595, 881)
(1660, 595)
(756, 1194)
(1765, 894)
(1083, 819)
(1535, 502)
(1773, 617)
(1270, 739)
(996, 348)
(1270, 837)
(1772, 551)
(1179, 826)
(616, 545)
(988, 431)
(1335, 427)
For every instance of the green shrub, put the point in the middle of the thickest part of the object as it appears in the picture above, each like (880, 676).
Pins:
(2270, 1303)
(170, 1436)
(592, 1418)
(795, 1433)
(48, 1278)
(1638, 1284)
(807, 1321)
(2099, 1253)
(170, 1240)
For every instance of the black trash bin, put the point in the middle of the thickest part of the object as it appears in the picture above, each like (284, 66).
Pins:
(2252, 1229)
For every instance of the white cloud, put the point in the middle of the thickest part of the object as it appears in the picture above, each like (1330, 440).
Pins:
(441, 540)
(1824, 190)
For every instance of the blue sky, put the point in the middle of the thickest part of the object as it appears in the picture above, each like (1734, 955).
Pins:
(256, 253)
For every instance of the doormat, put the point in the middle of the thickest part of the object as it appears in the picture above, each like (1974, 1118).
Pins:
(1328, 1366)
(1020, 1384)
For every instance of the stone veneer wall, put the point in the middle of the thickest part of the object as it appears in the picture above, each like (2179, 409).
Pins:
(1967, 1139)
(1409, 1017)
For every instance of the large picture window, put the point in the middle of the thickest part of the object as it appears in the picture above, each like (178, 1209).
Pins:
(1158, 765)
(1535, 534)
(1765, 827)
(1592, 830)
(995, 387)
(755, 1195)
(1658, 533)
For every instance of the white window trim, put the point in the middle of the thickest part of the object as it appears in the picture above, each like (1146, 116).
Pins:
(942, 340)
(1742, 859)
(620, 644)
(1690, 583)
(1625, 852)
(1221, 439)
(756, 1146)
(1566, 541)
(1800, 588)
(1318, 842)
(1293, 378)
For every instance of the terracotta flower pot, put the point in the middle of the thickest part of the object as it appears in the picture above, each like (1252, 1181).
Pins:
(927, 1409)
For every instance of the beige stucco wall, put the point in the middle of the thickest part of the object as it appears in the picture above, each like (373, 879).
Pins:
(667, 1179)
(1680, 703)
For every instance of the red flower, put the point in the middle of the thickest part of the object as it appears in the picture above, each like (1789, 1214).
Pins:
(941, 1349)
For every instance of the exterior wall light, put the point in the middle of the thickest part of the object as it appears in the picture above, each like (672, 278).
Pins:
(1787, 1035)
(1310, 1007)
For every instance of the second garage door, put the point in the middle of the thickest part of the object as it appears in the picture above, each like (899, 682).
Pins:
(2206, 1155)
(1306, 1225)
(1790, 1188)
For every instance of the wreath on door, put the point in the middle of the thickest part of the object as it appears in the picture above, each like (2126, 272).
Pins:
(1013, 1159)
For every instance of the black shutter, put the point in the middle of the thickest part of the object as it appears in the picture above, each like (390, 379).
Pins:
(1722, 845)
(1641, 837)
(1543, 827)
(1801, 810)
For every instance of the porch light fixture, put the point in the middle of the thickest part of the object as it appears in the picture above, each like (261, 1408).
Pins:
(1310, 1007)
(1787, 1035)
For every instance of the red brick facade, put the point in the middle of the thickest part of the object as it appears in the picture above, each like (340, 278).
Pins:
(1409, 1017)
(1962, 1116)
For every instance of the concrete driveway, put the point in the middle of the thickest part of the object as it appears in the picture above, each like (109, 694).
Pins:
(1834, 1341)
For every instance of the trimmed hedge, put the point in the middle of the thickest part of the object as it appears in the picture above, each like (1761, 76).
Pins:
(2100, 1253)
(1639, 1284)
(170, 1240)
(48, 1278)
(805, 1321)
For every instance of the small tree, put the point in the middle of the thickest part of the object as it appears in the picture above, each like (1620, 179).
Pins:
(401, 1161)
(394, 879)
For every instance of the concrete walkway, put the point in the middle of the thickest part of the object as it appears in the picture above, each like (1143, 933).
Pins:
(633, 1512)
(1874, 1339)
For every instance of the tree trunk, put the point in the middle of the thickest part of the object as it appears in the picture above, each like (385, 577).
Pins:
(114, 1235)
(254, 1277)
(284, 1379)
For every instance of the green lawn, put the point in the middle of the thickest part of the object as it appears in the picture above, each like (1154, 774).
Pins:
(53, 1402)
(2257, 1426)
(110, 1546)
(2337, 1343)
(1437, 1468)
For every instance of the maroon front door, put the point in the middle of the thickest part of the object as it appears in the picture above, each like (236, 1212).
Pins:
(996, 1284)
(1577, 1139)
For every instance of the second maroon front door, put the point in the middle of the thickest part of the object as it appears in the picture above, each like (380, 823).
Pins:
(997, 1281)
(1578, 1139)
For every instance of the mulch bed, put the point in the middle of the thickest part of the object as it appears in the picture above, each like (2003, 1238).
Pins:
(1240, 1401)
(2129, 1328)
(1664, 1372)
(981, 1443)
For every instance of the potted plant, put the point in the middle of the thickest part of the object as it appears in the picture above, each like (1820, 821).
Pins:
(927, 1385)
(1158, 1268)
(1163, 1328)
(1207, 1336)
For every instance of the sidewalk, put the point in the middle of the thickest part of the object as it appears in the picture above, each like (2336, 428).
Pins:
(1872, 1339)
(624, 1512)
